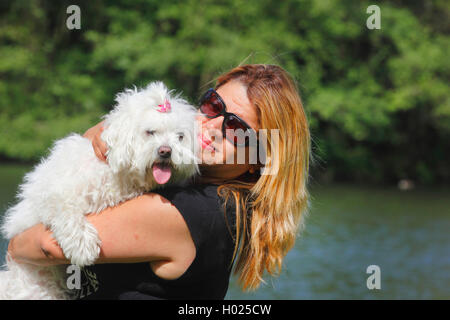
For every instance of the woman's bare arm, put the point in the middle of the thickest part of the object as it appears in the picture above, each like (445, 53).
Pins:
(146, 228)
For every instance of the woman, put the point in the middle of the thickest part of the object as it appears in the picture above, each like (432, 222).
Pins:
(178, 243)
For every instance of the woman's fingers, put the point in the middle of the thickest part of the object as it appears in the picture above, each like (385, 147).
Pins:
(99, 146)
(94, 134)
(99, 154)
(91, 132)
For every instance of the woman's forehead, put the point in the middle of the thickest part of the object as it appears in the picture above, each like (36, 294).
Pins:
(234, 94)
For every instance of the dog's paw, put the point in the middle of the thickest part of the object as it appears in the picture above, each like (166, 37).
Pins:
(84, 248)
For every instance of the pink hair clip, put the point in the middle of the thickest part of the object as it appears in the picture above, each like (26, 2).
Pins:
(164, 107)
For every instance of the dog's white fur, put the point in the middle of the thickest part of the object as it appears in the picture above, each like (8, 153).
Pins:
(72, 182)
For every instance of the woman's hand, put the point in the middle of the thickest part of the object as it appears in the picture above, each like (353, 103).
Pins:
(94, 134)
(33, 245)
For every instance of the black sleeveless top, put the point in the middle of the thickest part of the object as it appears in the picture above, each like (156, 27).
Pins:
(212, 231)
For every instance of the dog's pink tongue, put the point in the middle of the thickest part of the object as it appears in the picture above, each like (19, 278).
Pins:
(161, 173)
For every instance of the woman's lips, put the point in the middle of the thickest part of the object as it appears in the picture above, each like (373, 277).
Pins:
(206, 143)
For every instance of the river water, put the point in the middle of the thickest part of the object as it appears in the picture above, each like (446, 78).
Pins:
(405, 234)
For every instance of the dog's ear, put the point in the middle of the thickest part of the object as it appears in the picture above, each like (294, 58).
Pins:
(119, 135)
(119, 142)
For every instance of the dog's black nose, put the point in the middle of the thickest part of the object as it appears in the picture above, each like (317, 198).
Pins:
(165, 151)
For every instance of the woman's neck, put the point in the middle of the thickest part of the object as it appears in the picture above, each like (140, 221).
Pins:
(208, 180)
(211, 177)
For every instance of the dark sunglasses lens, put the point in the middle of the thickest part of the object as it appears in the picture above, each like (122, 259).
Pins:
(211, 105)
(236, 131)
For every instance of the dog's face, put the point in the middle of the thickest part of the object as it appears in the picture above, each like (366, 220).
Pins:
(150, 136)
(167, 147)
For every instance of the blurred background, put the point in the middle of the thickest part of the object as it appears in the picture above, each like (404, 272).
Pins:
(378, 104)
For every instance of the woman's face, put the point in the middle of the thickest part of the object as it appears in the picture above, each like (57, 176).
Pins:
(219, 156)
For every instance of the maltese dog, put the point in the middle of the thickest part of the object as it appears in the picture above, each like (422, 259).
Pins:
(151, 142)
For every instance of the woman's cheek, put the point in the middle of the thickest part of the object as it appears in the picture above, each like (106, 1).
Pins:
(230, 154)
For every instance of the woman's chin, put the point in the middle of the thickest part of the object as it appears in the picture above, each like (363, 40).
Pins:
(210, 159)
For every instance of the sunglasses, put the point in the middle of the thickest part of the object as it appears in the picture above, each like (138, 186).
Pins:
(234, 129)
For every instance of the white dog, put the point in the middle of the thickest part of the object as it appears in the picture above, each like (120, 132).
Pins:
(151, 142)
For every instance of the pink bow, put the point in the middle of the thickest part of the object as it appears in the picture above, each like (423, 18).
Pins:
(164, 107)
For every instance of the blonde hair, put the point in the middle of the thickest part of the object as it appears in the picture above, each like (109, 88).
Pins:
(270, 208)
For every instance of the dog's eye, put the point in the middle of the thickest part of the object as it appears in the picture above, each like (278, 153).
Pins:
(180, 137)
(150, 132)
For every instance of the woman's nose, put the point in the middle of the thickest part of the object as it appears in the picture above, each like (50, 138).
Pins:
(214, 123)
(211, 128)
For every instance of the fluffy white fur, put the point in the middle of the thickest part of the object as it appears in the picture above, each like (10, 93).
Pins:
(72, 182)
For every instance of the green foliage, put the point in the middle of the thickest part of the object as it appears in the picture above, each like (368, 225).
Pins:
(377, 100)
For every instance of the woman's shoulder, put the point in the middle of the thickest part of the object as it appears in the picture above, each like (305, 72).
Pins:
(201, 197)
(201, 207)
